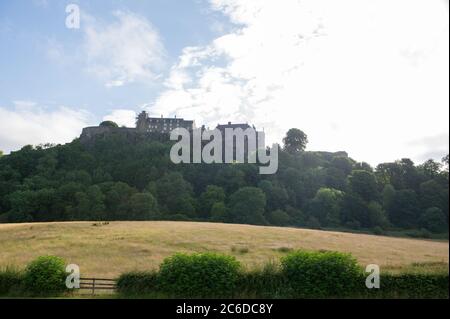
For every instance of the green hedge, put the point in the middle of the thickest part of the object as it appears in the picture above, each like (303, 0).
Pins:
(263, 282)
(410, 285)
(45, 275)
(11, 281)
(321, 274)
(300, 274)
(138, 283)
(199, 275)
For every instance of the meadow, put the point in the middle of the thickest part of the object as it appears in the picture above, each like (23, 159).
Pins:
(107, 250)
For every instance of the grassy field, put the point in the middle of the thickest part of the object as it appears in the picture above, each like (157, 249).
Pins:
(108, 250)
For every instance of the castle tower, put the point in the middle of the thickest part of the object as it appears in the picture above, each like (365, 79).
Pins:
(142, 122)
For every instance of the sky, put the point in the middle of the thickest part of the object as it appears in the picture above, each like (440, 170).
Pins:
(367, 77)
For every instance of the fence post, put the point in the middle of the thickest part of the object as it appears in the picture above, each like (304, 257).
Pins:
(93, 286)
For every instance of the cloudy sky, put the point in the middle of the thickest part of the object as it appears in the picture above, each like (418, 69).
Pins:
(368, 77)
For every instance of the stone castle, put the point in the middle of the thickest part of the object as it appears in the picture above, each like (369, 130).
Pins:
(147, 127)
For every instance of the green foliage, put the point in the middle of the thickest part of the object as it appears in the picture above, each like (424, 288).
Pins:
(405, 209)
(11, 281)
(364, 184)
(212, 195)
(326, 206)
(143, 206)
(263, 282)
(199, 275)
(279, 218)
(247, 206)
(218, 212)
(175, 195)
(138, 283)
(45, 276)
(116, 176)
(321, 274)
(299, 275)
(377, 215)
(388, 196)
(434, 220)
(109, 124)
(295, 141)
(409, 285)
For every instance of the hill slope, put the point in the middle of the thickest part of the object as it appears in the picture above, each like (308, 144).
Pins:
(109, 250)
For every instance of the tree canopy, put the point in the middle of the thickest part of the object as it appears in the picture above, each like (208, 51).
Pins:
(295, 141)
(115, 179)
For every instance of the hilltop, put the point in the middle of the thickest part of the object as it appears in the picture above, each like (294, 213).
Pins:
(113, 178)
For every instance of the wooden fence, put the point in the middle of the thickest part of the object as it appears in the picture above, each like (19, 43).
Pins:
(97, 284)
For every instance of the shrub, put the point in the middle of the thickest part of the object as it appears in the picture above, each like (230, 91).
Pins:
(377, 230)
(11, 281)
(45, 276)
(321, 274)
(138, 283)
(411, 285)
(265, 282)
(199, 275)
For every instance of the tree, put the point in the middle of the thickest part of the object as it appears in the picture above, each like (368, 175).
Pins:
(388, 196)
(363, 166)
(143, 206)
(174, 195)
(405, 210)
(377, 215)
(326, 206)
(430, 168)
(109, 124)
(219, 212)
(364, 184)
(298, 218)
(432, 194)
(279, 218)
(434, 220)
(342, 163)
(247, 206)
(213, 194)
(277, 196)
(295, 141)
(445, 162)
(354, 211)
(230, 177)
(96, 203)
(118, 199)
(336, 178)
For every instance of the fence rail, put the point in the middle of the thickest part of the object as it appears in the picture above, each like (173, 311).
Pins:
(96, 284)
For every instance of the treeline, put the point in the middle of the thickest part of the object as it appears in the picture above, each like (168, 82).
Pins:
(114, 179)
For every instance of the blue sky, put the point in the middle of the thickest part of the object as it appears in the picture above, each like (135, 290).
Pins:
(30, 29)
(368, 77)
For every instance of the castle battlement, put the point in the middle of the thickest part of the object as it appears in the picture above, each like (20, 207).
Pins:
(148, 127)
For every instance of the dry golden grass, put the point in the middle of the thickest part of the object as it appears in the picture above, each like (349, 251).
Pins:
(108, 250)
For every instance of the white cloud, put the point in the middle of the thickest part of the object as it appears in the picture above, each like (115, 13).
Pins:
(122, 117)
(357, 75)
(29, 124)
(125, 51)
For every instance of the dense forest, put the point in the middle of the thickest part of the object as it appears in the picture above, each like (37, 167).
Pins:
(113, 179)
